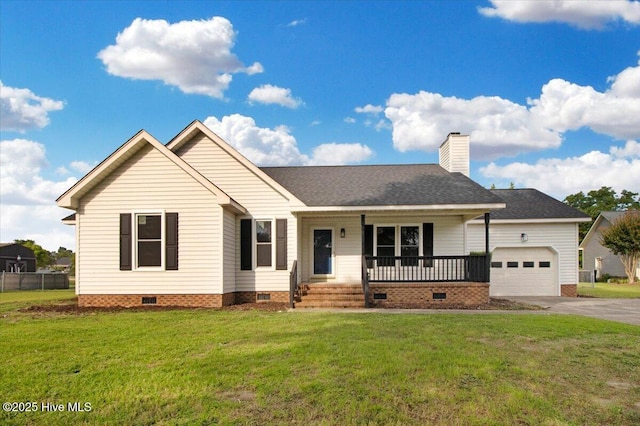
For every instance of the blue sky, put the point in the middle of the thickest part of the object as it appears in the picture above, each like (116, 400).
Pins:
(548, 90)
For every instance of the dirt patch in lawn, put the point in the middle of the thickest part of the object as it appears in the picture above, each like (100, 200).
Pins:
(72, 308)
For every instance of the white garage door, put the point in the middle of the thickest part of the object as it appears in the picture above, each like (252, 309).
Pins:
(531, 271)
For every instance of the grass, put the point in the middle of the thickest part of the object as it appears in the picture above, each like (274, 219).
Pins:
(626, 291)
(13, 300)
(174, 367)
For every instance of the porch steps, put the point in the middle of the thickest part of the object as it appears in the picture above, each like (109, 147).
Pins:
(316, 295)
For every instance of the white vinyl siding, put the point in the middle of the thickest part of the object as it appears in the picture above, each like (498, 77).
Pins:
(348, 250)
(561, 237)
(257, 196)
(149, 182)
(228, 247)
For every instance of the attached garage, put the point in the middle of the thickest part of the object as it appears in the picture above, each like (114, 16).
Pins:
(519, 271)
(533, 243)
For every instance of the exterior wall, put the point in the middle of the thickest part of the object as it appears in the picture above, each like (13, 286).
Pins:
(260, 199)
(562, 237)
(448, 231)
(176, 300)
(148, 182)
(569, 290)
(348, 250)
(611, 263)
(416, 295)
(229, 251)
(448, 240)
(135, 300)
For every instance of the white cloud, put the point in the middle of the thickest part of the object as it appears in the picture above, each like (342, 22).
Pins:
(592, 14)
(22, 110)
(340, 154)
(192, 55)
(349, 120)
(82, 166)
(297, 22)
(620, 169)
(277, 147)
(369, 109)
(28, 209)
(497, 126)
(500, 127)
(268, 94)
(566, 106)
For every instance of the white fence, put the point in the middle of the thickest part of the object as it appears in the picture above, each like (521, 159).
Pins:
(33, 281)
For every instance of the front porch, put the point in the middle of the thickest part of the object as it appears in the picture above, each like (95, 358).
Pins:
(395, 260)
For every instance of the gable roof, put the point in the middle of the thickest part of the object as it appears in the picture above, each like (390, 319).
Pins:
(197, 127)
(609, 216)
(531, 204)
(72, 196)
(382, 185)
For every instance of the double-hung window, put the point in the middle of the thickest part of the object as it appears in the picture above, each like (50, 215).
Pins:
(386, 245)
(409, 245)
(149, 240)
(401, 240)
(264, 243)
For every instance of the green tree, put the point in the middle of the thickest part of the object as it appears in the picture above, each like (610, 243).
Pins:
(623, 239)
(43, 257)
(601, 200)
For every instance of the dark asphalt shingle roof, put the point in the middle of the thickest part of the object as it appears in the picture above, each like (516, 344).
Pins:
(380, 185)
(533, 204)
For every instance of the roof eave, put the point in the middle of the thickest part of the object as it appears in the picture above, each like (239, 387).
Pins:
(426, 207)
(536, 220)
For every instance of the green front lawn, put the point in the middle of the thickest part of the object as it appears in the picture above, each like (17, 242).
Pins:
(626, 291)
(13, 300)
(253, 367)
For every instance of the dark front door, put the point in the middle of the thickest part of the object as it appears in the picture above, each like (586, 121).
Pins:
(323, 252)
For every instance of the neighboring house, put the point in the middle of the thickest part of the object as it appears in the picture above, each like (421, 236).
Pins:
(16, 258)
(595, 256)
(63, 264)
(534, 244)
(195, 223)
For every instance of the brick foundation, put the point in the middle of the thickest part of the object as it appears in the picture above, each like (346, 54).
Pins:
(569, 290)
(252, 296)
(421, 295)
(182, 300)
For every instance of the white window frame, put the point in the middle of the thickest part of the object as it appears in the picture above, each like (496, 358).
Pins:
(254, 245)
(163, 239)
(398, 244)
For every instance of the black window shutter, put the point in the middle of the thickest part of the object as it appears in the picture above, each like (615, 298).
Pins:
(125, 241)
(171, 244)
(368, 243)
(281, 244)
(427, 242)
(245, 245)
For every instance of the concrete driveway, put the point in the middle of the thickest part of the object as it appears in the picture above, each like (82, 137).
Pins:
(620, 310)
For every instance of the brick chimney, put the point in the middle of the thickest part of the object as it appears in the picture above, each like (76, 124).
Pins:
(454, 153)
